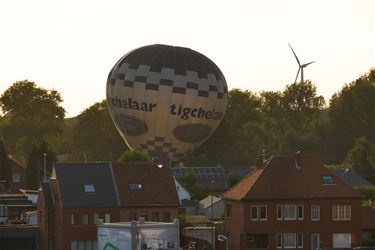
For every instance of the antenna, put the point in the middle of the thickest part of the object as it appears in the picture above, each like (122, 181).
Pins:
(300, 67)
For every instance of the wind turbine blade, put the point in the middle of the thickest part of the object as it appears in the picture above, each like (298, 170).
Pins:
(295, 55)
(297, 75)
(304, 65)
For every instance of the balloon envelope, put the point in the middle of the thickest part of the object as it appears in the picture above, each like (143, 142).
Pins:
(166, 100)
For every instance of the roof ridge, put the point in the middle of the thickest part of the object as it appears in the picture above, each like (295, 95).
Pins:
(248, 175)
(264, 168)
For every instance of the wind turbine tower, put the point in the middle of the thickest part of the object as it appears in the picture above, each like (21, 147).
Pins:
(300, 67)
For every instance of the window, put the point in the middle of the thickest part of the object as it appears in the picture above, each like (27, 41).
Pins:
(73, 219)
(229, 210)
(166, 216)
(290, 212)
(279, 212)
(89, 188)
(144, 215)
(263, 212)
(342, 240)
(289, 240)
(132, 215)
(300, 212)
(279, 240)
(3, 211)
(107, 218)
(328, 180)
(155, 216)
(341, 212)
(85, 219)
(16, 178)
(300, 240)
(254, 212)
(95, 218)
(83, 245)
(74, 245)
(315, 212)
(135, 187)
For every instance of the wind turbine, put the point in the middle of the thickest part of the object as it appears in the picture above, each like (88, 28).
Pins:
(300, 68)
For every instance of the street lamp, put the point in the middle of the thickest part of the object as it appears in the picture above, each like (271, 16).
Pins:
(222, 237)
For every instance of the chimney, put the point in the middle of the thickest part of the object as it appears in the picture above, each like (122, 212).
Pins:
(297, 160)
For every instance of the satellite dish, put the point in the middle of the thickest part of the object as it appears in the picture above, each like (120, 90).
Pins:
(166, 100)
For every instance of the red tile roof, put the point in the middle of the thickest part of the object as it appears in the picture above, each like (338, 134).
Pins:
(158, 187)
(279, 178)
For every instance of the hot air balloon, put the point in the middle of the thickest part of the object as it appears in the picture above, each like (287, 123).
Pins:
(166, 100)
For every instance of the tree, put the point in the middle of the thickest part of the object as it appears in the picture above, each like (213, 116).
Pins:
(301, 104)
(5, 167)
(352, 115)
(35, 164)
(134, 156)
(31, 114)
(362, 158)
(233, 178)
(227, 144)
(188, 180)
(95, 135)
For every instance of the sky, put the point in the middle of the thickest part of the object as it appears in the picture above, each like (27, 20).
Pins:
(71, 45)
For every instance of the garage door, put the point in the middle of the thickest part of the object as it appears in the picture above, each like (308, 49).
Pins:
(342, 240)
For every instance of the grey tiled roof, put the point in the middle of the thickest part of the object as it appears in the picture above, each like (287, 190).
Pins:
(351, 177)
(71, 178)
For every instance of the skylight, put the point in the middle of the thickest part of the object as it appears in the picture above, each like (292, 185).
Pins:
(135, 187)
(89, 188)
(328, 180)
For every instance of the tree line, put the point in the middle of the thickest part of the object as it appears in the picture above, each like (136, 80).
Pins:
(339, 130)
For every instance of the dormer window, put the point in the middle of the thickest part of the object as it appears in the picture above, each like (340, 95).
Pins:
(135, 187)
(328, 180)
(89, 188)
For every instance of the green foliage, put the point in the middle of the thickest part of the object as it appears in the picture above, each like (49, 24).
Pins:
(5, 167)
(95, 135)
(352, 115)
(362, 158)
(368, 192)
(134, 156)
(31, 114)
(35, 164)
(280, 122)
(233, 178)
(188, 180)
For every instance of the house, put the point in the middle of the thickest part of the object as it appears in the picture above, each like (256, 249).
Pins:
(20, 237)
(189, 207)
(351, 177)
(18, 177)
(292, 202)
(182, 192)
(79, 194)
(32, 195)
(211, 179)
(13, 207)
(368, 226)
(212, 205)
